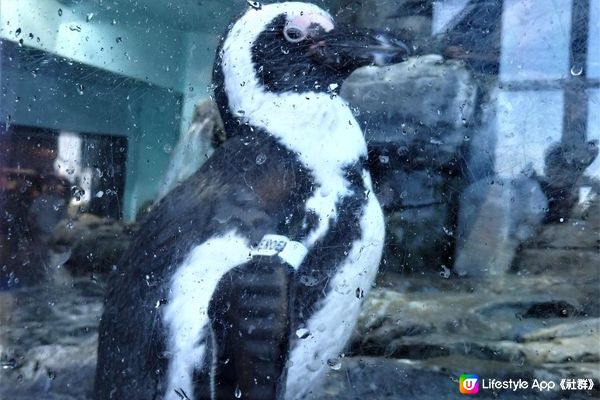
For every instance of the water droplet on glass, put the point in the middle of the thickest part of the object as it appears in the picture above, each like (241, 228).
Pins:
(167, 148)
(77, 192)
(254, 4)
(238, 392)
(18, 32)
(334, 363)
(284, 50)
(80, 89)
(119, 39)
(308, 280)
(576, 70)
(359, 293)
(100, 194)
(332, 87)
(89, 17)
(384, 159)
(60, 12)
(302, 333)
(445, 273)
(75, 28)
(151, 280)
(113, 22)
(261, 158)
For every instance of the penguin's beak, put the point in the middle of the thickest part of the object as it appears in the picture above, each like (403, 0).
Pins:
(346, 48)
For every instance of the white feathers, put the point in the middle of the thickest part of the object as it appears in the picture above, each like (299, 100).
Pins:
(332, 325)
(185, 315)
(318, 127)
(321, 130)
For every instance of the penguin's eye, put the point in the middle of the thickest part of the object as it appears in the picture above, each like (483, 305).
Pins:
(306, 25)
(294, 34)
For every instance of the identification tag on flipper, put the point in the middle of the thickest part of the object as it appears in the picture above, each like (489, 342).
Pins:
(290, 251)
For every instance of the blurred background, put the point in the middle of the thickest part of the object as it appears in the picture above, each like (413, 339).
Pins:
(483, 147)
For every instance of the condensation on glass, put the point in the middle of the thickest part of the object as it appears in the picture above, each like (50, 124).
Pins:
(483, 148)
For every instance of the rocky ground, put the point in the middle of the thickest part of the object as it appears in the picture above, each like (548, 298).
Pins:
(416, 335)
(542, 320)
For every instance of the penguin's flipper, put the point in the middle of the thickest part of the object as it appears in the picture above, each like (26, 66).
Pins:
(249, 317)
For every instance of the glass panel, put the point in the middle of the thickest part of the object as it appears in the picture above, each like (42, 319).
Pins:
(528, 123)
(535, 40)
(593, 64)
(593, 124)
(444, 11)
(281, 200)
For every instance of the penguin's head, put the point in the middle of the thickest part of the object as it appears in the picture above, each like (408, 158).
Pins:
(294, 48)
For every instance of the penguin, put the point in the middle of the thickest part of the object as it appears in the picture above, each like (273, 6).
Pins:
(247, 279)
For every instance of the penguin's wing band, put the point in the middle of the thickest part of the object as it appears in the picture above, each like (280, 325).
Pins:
(290, 251)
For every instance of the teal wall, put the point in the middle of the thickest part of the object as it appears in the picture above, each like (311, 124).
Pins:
(140, 69)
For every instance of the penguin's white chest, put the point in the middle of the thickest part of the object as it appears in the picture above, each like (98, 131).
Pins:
(332, 326)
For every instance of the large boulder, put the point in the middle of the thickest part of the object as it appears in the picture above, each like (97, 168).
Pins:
(418, 119)
(422, 108)
(411, 19)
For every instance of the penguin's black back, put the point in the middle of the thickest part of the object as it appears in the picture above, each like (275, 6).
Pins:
(251, 184)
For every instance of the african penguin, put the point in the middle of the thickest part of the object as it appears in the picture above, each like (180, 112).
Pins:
(247, 279)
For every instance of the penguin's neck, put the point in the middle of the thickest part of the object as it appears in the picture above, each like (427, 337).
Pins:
(318, 127)
(325, 137)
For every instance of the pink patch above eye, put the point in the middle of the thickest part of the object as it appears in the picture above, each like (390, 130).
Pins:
(303, 22)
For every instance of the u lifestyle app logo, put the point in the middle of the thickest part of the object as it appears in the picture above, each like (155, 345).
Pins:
(468, 384)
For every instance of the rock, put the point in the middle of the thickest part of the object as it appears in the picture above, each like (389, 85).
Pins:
(53, 372)
(555, 261)
(530, 324)
(48, 343)
(418, 240)
(583, 349)
(573, 234)
(588, 206)
(564, 166)
(416, 209)
(381, 378)
(421, 108)
(495, 217)
(417, 119)
(205, 133)
(410, 19)
(401, 189)
(95, 244)
(586, 327)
